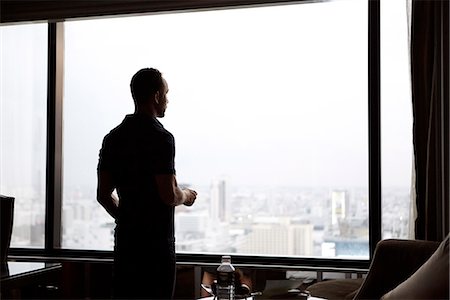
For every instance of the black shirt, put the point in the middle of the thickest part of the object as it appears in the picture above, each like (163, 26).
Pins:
(134, 152)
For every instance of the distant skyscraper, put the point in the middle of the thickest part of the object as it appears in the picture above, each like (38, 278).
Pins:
(218, 207)
(339, 206)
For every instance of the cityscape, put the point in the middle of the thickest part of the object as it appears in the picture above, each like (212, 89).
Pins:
(273, 221)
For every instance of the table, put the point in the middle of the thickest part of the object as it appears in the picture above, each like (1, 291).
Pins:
(17, 279)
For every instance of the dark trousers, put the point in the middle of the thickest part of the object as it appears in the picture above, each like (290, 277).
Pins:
(144, 272)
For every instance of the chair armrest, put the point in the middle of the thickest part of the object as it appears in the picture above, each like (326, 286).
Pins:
(393, 262)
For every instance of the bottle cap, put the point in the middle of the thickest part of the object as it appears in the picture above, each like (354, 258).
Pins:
(226, 259)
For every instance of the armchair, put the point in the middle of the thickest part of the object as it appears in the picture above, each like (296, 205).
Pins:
(394, 262)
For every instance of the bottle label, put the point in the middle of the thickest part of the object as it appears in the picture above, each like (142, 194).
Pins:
(225, 278)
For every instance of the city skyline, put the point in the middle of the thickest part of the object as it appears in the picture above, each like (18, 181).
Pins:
(255, 210)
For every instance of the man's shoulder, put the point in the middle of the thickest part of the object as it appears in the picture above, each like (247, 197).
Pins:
(115, 132)
(118, 133)
(134, 128)
(162, 132)
(165, 134)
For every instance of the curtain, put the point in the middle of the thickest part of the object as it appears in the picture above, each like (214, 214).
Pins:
(412, 190)
(430, 97)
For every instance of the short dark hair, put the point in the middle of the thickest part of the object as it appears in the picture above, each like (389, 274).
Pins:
(145, 83)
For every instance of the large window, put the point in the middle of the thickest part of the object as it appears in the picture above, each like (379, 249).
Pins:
(268, 107)
(23, 118)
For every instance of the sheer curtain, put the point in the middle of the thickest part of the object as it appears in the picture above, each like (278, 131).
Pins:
(413, 206)
(430, 99)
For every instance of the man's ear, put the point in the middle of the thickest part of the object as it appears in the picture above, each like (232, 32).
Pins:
(157, 97)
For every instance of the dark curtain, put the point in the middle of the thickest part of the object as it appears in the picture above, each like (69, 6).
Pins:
(430, 96)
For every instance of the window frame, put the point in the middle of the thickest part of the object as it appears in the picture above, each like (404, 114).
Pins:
(54, 158)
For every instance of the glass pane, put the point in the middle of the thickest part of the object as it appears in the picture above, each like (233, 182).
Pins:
(23, 119)
(396, 119)
(268, 107)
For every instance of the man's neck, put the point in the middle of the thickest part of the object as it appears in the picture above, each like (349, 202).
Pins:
(145, 110)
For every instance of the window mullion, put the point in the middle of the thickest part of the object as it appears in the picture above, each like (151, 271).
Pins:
(54, 136)
(374, 126)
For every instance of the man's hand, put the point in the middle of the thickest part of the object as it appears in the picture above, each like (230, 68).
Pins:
(171, 194)
(191, 195)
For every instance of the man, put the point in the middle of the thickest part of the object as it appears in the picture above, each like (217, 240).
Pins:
(137, 159)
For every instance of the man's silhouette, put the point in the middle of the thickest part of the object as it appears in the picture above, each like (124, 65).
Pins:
(137, 159)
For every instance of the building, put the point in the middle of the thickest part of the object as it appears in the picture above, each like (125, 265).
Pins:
(219, 207)
(339, 206)
(279, 236)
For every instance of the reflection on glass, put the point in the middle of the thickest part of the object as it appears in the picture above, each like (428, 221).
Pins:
(268, 107)
(23, 117)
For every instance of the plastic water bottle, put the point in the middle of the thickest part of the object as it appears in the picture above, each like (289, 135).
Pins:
(225, 279)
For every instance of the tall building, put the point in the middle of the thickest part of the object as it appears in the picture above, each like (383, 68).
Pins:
(219, 209)
(339, 206)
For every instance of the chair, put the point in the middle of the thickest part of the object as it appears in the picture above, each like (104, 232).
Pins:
(394, 262)
(7, 214)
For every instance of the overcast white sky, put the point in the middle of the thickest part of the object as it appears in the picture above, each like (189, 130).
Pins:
(274, 95)
(264, 96)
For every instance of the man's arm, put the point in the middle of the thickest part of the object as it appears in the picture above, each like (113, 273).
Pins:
(105, 187)
(171, 194)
